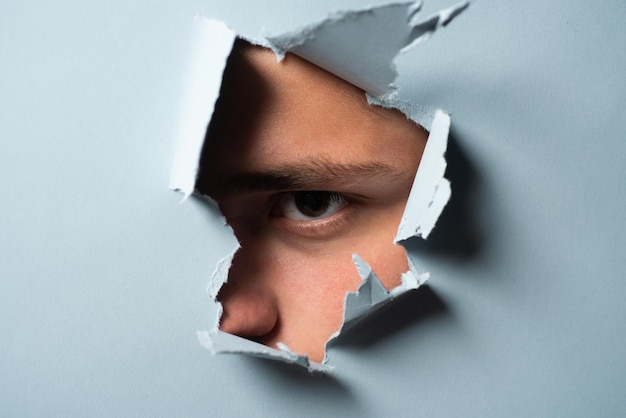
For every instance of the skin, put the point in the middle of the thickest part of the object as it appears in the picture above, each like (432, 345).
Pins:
(280, 129)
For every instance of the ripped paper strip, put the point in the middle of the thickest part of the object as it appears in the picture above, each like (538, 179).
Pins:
(430, 191)
(372, 295)
(359, 46)
(211, 47)
(222, 342)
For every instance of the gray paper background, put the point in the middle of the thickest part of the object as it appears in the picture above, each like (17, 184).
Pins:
(103, 273)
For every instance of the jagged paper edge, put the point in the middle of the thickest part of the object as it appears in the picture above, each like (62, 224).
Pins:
(212, 43)
(372, 294)
(219, 342)
(431, 190)
(383, 33)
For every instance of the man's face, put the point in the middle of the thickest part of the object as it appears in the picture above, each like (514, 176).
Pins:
(307, 174)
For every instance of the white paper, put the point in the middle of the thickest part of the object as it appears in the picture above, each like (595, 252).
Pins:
(430, 191)
(222, 342)
(360, 46)
(372, 295)
(211, 47)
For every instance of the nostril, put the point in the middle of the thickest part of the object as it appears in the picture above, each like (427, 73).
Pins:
(248, 312)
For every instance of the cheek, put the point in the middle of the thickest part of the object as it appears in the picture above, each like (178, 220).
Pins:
(314, 282)
(309, 289)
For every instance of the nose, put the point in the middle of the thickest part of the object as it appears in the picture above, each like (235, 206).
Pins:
(250, 308)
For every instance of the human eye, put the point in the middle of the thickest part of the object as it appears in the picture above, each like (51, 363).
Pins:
(309, 205)
(312, 214)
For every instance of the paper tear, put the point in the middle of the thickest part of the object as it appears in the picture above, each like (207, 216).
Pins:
(430, 191)
(359, 46)
(419, 114)
(372, 295)
(423, 30)
(219, 342)
(212, 43)
(220, 275)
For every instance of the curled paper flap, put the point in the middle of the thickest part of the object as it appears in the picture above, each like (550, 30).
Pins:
(221, 342)
(211, 46)
(360, 46)
(430, 191)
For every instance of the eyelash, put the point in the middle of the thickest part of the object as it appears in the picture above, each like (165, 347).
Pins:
(313, 228)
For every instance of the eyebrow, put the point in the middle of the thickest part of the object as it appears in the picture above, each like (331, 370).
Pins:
(319, 175)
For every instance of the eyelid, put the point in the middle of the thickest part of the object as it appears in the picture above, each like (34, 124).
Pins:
(323, 228)
(309, 206)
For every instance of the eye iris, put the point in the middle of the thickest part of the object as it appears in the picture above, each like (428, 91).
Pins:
(312, 204)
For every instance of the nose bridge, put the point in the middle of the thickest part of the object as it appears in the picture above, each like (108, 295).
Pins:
(249, 301)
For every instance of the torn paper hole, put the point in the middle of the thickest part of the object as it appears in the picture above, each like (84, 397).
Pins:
(319, 169)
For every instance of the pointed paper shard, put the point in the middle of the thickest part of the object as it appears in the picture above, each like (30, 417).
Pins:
(430, 191)
(220, 275)
(219, 342)
(372, 295)
(212, 43)
(360, 46)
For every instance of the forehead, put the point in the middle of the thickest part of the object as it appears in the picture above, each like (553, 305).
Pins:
(271, 113)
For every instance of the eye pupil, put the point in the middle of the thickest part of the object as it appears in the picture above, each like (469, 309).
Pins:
(312, 203)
